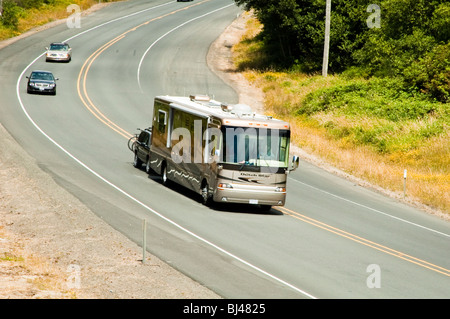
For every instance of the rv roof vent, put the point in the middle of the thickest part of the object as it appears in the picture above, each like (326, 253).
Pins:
(199, 97)
(242, 109)
(214, 104)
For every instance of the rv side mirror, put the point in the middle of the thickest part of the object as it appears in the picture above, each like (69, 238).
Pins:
(295, 162)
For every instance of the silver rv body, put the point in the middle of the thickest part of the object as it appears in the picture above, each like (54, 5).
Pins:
(225, 153)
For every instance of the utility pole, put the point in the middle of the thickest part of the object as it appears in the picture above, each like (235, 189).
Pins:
(326, 47)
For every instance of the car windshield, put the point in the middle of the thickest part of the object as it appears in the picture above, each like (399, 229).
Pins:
(59, 47)
(42, 76)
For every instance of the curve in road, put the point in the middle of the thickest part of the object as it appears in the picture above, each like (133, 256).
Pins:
(316, 198)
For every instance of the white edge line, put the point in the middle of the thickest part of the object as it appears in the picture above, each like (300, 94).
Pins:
(117, 19)
(164, 35)
(372, 209)
(133, 198)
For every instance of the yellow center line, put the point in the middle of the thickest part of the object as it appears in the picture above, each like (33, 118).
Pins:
(82, 76)
(89, 104)
(365, 242)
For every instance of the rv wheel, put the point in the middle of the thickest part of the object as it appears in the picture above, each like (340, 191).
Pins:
(147, 166)
(137, 162)
(206, 198)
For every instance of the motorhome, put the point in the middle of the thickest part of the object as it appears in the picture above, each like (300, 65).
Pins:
(226, 153)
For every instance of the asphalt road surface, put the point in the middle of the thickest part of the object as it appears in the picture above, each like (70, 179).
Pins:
(333, 239)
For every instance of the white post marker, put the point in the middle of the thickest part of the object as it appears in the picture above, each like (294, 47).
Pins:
(404, 183)
(144, 239)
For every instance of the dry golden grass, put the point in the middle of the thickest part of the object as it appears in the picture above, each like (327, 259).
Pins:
(37, 17)
(427, 164)
(426, 184)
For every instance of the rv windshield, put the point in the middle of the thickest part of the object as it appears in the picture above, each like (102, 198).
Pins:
(255, 146)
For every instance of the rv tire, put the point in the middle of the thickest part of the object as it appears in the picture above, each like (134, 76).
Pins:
(147, 166)
(206, 197)
(137, 162)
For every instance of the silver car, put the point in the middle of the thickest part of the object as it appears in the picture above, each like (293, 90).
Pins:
(58, 51)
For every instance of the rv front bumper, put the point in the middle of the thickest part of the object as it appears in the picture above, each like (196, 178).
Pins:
(251, 195)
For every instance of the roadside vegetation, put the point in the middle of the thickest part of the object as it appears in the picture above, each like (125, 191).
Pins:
(372, 120)
(19, 16)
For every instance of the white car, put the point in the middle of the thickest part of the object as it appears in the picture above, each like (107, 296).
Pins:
(58, 51)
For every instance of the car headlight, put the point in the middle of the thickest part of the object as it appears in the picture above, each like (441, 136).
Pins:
(52, 85)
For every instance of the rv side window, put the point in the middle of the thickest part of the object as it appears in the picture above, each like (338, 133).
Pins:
(162, 121)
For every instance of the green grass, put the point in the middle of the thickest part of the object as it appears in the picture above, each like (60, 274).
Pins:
(376, 113)
(10, 257)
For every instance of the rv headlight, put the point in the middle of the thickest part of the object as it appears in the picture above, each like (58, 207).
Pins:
(225, 185)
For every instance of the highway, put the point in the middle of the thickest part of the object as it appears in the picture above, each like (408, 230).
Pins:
(332, 239)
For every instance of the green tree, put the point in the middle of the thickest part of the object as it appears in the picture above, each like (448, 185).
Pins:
(431, 73)
(293, 30)
(28, 4)
(411, 44)
(410, 30)
(10, 14)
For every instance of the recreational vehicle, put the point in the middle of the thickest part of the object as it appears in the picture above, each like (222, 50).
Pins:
(226, 153)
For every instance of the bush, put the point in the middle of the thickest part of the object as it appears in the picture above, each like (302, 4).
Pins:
(10, 15)
(28, 4)
(376, 112)
(378, 97)
(431, 74)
